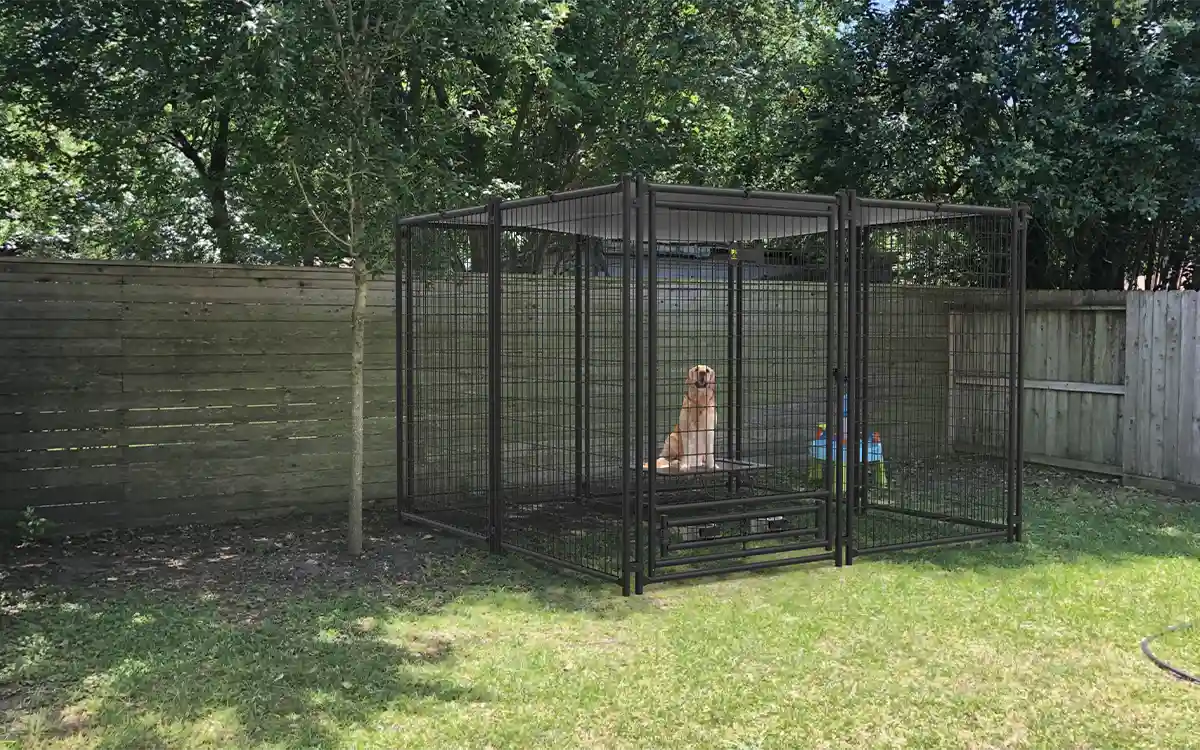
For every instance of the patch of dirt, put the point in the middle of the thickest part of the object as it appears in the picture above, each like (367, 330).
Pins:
(276, 557)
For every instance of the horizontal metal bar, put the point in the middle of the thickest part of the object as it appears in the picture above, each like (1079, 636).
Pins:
(441, 526)
(565, 195)
(946, 208)
(443, 215)
(683, 575)
(1063, 386)
(550, 560)
(764, 536)
(929, 515)
(659, 187)
(905, 546)
(744, 515)
(674, 508)
(735, 554)
(717, 208)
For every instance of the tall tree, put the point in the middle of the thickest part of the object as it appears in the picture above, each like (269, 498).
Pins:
(140, 82)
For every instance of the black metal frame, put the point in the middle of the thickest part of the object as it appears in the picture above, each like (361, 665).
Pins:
(646, 511)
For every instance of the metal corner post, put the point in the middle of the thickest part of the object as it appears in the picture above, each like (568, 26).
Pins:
(853, 343)
(627, 208)
(495, 364)
(400, 303)
(832, 523)
(639, 385)
(1021, 267)
(862, 490)
(1014, 380)
(840, 356)
(651, 370)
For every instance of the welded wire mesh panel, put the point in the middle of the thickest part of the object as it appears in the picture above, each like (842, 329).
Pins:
(562, 381)
(738, 308)
(937, 316)
(443, 363)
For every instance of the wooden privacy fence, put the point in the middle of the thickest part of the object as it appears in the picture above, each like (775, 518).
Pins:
(1112, 384)
(134, 394)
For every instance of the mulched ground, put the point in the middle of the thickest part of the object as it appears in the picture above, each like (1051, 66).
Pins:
(281, 555)
(275, 557)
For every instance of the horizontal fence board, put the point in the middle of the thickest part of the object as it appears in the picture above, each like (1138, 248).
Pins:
(333, 342)
(281, 379)
(339, 408)
(83, 517)
(198, 311)
(168, 399)
(102, 383)
(260, 281)
(45, 266)
(149, 332)
(1044, 385)
(223, 433)
(189, 451)
(187, 294)
(73, 476)
(190, 364)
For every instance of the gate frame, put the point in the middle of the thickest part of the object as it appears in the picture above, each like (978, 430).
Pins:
(846, 365)
(645, 558)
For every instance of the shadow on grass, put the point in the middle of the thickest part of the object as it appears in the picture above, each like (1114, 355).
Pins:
(1070, 518)
(152, 671)
(244, 636)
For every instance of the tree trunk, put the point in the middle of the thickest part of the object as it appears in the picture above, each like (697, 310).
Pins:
(219, 221)
(358, 319)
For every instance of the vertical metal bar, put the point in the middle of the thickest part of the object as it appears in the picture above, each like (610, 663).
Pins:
(651, 367)
(627, 199)
(400, 302)
(738, 340)
(839, 378)
(495, 366)
(730, 358)
(864, 322)
(410, 373)
(851, 450)
(587, 366)
(639, 385)
(833, 539)
(1014, 386)
(579, 429)
(1021, 267)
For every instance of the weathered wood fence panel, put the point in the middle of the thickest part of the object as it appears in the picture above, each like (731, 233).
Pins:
(136, 393)
(1074, 379)
(1112, 384)
(1162, 425)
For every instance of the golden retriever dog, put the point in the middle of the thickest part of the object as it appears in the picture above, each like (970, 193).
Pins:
(692, 442)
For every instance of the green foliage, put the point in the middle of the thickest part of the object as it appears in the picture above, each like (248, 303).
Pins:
(227, 130)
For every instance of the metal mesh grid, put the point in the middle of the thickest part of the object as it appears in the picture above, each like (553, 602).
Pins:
(442, 356)
(758, 315)
(939, 345)
(563, 385)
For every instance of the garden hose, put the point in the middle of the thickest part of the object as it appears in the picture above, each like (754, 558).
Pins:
(1181, 674)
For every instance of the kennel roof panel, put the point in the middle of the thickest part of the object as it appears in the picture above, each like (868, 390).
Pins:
(685, 214)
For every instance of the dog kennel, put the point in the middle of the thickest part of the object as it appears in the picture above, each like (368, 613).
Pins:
(867, 356)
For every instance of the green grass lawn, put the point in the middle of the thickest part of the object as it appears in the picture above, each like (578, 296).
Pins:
(270, 639)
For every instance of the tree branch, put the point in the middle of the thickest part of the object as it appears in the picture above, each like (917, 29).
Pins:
(181, 142)
(313, 209)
